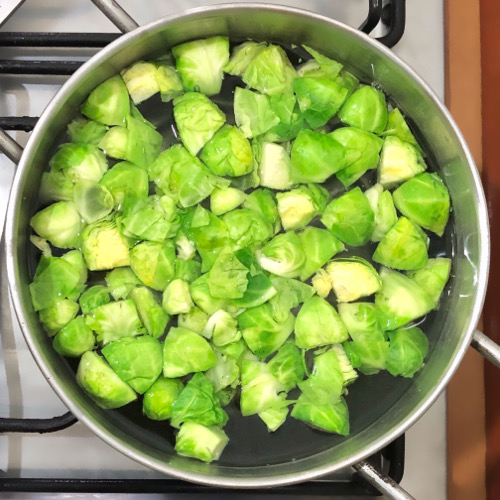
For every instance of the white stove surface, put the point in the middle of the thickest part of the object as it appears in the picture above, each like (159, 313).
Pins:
(76, 452)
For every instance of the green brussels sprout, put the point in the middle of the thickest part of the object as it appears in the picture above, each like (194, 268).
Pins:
(152, 219)
(322, 283)
(361, 317)
(103, 246)
(79, 162)
(325, 417)
(158, 399)
(228, 152)
(200, 63)
(401, 299)
(138, 143)
(286, 108)
(319, 98)
(115, 320)
(83, 131)
(425, 200)
(126, 180)
(177, 173)
(169, 82)
(319, 246)
(235, 350)
(101, 383)
(263, 202)
(381, 203)
(185, 351)
(200, 293)
(58, 315)
(223, 200)
(227, 279)
(366, 109)
(152, 315)
(347, 80)
(153, 263)
(55, 279)
(140, 80)
(316, 156)
(74, 338)
(274, 418)
(259, 290)
(222, 328)
(108, 103)
(176, 297)
(260, 389)
(138, 361)
(407, 350)
(283, 255)
(253, 113)
(353, 278)
(432, 277)
(329, 67)
(403, 247)
(363, 147)
(349, 374)
(297, 207)
(75, 258)
(274, 166)
(317, 324)
(287, 365)
(201, 442)
(59, 223)
(241, 56)
(399, 161)
(197, 119)
(270, 71)
(120, 282)
(92, 200)
(290, 294)
(195, 320)
(350, 218)
(197, 403)
(397, 126)
(187, 270)
(262, 332)
(55, 185)
(225, 373)
(367, 351)
(326, 382)
(247, 228)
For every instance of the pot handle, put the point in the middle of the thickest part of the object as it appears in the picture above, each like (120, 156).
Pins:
(386, 485)
(11, 148)
(485, 346)
(116, 14)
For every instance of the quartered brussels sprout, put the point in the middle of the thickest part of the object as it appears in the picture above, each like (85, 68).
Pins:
(317, 324)
(74, 338)
(158, 399)
(350, 218)
(83, 131)
(153, 316)
(101, 383)
(407, 350)
(223, 200)
(381, 203)
(200, 63)
(58, 315)
(432, 277)
(274, 166)
(241, 56)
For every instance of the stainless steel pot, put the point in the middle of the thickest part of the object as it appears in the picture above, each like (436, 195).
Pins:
(382, 407)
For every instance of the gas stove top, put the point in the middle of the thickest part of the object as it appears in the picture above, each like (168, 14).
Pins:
(75, 452)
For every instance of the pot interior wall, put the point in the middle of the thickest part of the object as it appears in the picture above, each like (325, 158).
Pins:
(380, 406)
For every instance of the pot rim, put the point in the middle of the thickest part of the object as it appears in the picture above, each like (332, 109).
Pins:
(240, 481)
